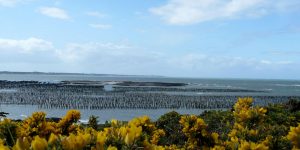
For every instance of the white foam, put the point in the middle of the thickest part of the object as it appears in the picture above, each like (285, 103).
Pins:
(83, 121)
(24, 116)
(297, 85)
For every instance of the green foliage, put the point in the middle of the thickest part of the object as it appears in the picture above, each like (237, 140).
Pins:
(293, 105)
(277, 124)
(169, 122)
(93, 122)
(107, 124)
(278, 140)
(218, 121)
(3, 114)
(8, 131)
(278, 115)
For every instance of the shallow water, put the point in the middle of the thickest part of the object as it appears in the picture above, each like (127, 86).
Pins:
(23, 111)
(273, 88)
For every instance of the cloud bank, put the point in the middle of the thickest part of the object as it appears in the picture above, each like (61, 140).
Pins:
(29, 45)
(107, 57)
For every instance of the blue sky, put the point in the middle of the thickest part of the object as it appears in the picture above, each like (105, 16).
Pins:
(180, 38)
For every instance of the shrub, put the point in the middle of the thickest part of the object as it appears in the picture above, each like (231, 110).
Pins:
(293, 105)
(8, 131)
(245, 127)
(218, 121)
(93, 122)
(169, 122)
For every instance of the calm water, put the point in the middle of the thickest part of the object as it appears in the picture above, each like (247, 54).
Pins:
(274, 88)
(22, 111)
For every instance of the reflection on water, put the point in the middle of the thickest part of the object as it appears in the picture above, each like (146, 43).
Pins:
(22, 111)
(8, 90)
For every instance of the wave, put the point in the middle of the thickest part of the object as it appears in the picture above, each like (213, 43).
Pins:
(289, 85)
(24, 116)
(267, 89)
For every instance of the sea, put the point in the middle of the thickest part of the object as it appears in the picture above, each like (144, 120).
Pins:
(274, 88)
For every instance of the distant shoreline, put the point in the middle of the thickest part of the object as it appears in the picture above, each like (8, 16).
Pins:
(61, 73)
(137, 76)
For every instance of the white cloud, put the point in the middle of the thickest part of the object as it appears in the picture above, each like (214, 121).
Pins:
(195, 11)
(266, 62)
(29, 45)
(96, 14)
(73, 52)
(8, 3)
(54, 12)
(100, 26)
(116, 58)
(124, 58)
(201, 61)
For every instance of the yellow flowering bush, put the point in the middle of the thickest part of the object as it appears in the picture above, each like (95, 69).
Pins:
(244, 134)
(66, 124)
(246, 127)
(39, 143)
(36, 125)
(247, 115)
(156, 136)
(195, 129)
(294, 136)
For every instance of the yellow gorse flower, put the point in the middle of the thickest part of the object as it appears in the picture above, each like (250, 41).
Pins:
(2, 147)
(66, 123)
(140, 121)
(156, 136)
(252, 146)
(76, 142)
(114, 122)
(245, 132)
(244, 113)
(112, 148)
(215, 137)
(101, 138)
(22, 144)
(35, 125)
(52, 139)
(133, 132)
(39, 143)
(294, 136)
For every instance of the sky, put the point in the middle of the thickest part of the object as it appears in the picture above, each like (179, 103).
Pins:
(177, 38)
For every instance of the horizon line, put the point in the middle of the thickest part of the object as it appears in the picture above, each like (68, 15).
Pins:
(141, 75)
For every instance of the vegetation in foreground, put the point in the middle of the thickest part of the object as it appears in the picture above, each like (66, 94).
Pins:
(244, 127)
